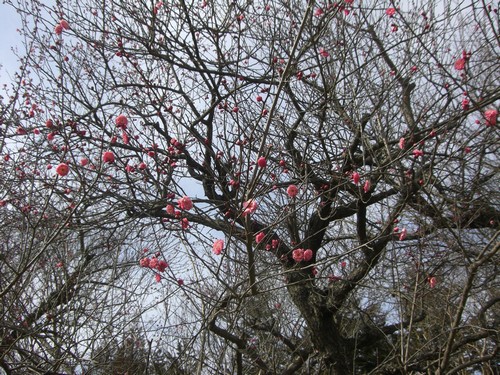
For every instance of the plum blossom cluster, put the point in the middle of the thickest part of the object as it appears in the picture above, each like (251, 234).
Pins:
(300, 255)
(274, 243)
(61, 26)
(155, 264)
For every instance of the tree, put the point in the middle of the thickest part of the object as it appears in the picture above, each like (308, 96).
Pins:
(317, 182)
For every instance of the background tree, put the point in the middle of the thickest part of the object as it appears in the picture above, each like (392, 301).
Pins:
(321, 178)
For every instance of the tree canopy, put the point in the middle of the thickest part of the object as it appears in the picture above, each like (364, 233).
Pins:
(238, 187)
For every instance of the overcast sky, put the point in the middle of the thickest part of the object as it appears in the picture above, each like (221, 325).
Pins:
(9, 38)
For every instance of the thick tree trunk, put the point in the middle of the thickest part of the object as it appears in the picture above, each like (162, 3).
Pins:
(336, 351)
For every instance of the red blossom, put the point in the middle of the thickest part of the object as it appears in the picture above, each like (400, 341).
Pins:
(185, 223)
(185, 203)
(323, 52)
(308, 254)
(64, 24)
(367, 186)
(460, 64)
(108, 157)
(432, 281)
(62, 169)
(262, 162)
(217, 247)
(355, 177)
(249, 207)
(491, 117)
(417, 153)
(298, 255)
(170, 209)
(121, 121)
(259, 237)
(390, 12)
(402, 143)
(402, 235)
(318, 12)
(144, 262)
(292, 191)
(162, 266)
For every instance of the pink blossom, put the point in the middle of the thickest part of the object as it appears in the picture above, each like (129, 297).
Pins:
(402, 143)
(491, 117)
(108, 157)
(185, 223)
(318, 12)
(402, 235)
(355, 177)
(367, 186)
(258, 98)
(323, 52)
(249, 207)
(170, 209)
(185, 203)
(125, 138)
(432, 282)
(308, 254)
(58, 29)
(162, 266)
(62, 169)
(157, 277)
(259, 237)
(292, 191)
(465, 104)
(121, 121)
(153, 263)
(390, 12)
(417, 153)
(298, 255)
(262, 162)
(217, 247)
(180, 282)
(144, 262)
(460, 64)
(64, 24)
(84, 162)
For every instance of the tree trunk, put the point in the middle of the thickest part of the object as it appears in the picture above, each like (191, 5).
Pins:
(336, 351)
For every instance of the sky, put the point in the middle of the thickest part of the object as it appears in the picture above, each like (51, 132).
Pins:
(9, 38)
